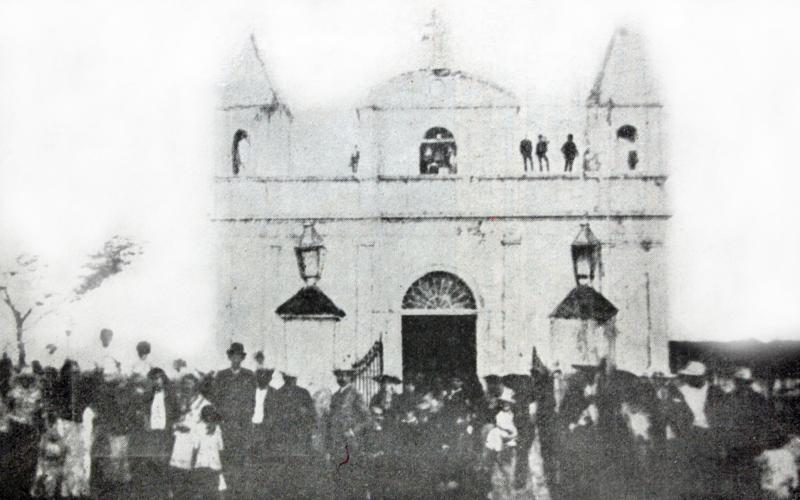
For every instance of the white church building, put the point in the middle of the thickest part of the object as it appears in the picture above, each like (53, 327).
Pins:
(433, 250)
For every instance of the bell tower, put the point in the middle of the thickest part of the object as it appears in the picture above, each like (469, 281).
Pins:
(254, 123)
(624, 113)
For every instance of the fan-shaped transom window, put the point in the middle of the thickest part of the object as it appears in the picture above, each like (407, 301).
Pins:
(439, 290)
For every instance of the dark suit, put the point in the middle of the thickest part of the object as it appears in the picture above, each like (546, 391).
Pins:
(526, 150)
(233, 394)
(264, 433)
(295, 420)
(570, 151)
(348, 412)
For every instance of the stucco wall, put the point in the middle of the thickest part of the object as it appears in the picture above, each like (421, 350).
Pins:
(519, 270)
(612, 153)
(427, 196)
(485, 138)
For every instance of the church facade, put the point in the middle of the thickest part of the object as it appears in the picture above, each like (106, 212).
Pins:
(436, 243)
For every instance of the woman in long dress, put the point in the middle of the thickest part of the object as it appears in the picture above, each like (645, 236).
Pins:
(74, 425)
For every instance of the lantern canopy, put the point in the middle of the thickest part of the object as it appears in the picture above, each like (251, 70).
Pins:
(310, 253)
(585, 256)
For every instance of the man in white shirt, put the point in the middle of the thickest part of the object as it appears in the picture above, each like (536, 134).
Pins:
(694, 388)
(696, 444)
(107, 360)
(263, 391)
(264, 412)
(141, 367)
(158, 408)
(259, 359)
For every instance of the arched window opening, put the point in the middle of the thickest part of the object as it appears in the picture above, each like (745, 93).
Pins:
(236, 156)
(439, 290)
(627, 132)
(437, 152)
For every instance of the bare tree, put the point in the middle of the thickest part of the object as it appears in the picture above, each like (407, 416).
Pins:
(24, 293)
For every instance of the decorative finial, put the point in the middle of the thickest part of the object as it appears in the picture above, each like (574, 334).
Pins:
(435, 36)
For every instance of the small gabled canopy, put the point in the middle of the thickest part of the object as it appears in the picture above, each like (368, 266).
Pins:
(310, 301)
(247, 82)
(625, 77)
(584, 302)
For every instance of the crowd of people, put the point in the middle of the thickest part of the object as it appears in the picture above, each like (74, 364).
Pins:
(105, 431)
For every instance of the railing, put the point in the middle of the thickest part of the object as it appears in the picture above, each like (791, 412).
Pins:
(367, 368)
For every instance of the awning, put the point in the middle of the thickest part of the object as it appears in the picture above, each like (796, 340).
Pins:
(309, 301)
(584, 302)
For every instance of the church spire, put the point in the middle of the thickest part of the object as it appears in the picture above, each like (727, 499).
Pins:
(435, 39)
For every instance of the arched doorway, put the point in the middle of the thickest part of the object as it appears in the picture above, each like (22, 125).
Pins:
(438, 327)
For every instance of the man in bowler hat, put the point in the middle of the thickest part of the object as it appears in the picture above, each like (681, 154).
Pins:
(232, 394)
(347, 419)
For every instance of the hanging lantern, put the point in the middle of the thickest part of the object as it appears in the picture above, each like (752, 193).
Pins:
(585, 256)
(310, 253)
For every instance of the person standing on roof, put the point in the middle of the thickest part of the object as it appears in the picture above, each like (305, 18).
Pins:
(526, 150)
(570, 152)
(541, 152)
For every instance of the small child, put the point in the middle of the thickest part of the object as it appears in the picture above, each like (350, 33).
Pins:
(503, 435)
(207, 465)
(500, 448)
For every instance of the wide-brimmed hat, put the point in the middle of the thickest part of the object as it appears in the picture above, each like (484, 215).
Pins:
(693, 369)
(493, 379)
(507, 396)
(383, 379)
(343, 371)
(236, 348)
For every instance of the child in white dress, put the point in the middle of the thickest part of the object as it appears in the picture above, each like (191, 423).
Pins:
(207, 465)
(504, 433)
(501, 447)
(184, 430)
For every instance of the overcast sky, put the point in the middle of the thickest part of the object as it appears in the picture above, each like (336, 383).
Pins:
(105, 128)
